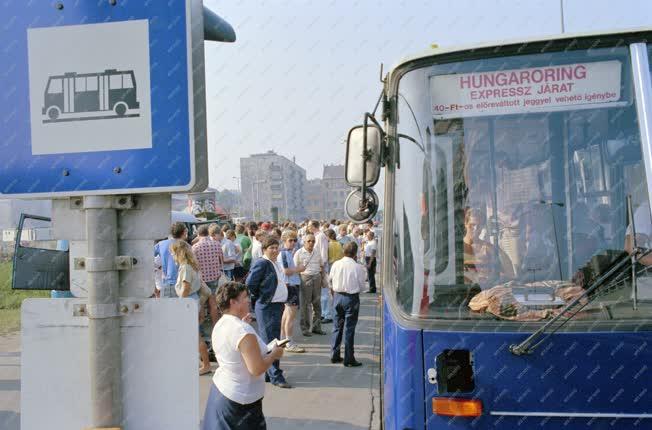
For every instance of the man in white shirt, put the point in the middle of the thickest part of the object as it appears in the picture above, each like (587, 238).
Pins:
(356, 236)
(370, 251)
(311, 280)
(321, 241)
(230, 252)
(347, 278)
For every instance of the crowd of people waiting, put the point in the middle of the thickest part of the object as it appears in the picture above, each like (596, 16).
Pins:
(269, 275)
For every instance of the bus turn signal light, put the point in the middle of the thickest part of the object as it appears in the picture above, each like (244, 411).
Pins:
(456, 407)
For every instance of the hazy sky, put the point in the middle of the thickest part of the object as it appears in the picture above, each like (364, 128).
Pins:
(303, 72)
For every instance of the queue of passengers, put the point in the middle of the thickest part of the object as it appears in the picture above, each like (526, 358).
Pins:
(270, 275)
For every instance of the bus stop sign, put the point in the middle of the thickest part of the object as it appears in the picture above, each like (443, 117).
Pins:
(98, 97)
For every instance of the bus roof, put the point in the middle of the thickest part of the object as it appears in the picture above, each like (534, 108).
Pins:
(86, 75)
(447, 50)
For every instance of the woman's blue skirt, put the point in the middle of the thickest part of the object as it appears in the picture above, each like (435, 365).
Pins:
(225, 414)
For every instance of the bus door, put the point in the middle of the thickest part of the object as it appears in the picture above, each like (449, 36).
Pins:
(104, 92)
(87, 96)
(68, 94)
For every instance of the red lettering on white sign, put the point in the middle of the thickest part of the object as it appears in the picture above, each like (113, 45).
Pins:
(525, 90)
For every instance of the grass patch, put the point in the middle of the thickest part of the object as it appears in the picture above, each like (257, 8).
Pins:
(9, 321)
(10, 300)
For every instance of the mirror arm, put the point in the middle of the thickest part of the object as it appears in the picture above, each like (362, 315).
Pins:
(380, 98)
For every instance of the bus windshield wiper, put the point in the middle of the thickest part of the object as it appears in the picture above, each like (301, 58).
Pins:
(574, 307)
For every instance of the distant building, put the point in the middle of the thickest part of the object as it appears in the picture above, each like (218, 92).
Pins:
(270, 180)
(314, 199)
(335, 190)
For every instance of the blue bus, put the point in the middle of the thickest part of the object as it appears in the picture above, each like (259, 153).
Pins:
(516, 283)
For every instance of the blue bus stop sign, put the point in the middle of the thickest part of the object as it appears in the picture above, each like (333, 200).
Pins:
(98, 97)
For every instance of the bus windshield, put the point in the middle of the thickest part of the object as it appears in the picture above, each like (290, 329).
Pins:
(523, 169)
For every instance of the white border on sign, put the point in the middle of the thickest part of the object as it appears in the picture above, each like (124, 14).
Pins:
(191, 137)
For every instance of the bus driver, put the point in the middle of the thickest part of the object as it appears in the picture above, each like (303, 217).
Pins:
(485, 264)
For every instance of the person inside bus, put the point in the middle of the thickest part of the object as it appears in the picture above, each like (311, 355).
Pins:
(476, 173)
(586, 233)
(485, 264)
(539, 259)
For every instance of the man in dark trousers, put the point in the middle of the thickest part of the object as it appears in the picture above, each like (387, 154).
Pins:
(370, 251)
(347, 280)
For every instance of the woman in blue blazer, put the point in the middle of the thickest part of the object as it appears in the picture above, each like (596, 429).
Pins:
(269, 293)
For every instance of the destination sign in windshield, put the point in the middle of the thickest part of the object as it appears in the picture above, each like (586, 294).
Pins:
(538, 89)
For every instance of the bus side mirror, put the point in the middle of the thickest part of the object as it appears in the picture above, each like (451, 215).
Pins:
(355, 159)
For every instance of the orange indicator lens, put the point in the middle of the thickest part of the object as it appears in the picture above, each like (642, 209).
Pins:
(457, 407)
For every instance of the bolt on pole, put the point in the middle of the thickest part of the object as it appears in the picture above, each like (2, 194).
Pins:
(105, 340)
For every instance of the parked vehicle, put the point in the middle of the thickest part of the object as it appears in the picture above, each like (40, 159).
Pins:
(517, 168)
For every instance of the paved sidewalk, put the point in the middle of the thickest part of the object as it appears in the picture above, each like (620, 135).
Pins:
(10, 382)
(326, 396)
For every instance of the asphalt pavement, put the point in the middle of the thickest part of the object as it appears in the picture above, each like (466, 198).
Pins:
(325, 396)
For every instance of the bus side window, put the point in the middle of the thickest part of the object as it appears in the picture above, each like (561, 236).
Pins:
(91, 83)
(80, 84)
(55, 86)
(115, 82)
(127, 82)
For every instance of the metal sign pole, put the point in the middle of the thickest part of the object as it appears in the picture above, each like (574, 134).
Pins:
(105, 348)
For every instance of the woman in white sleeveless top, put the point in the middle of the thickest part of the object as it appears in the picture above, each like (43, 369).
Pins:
(235, 399)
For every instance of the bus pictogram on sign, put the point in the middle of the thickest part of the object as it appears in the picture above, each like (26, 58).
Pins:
(90, 96)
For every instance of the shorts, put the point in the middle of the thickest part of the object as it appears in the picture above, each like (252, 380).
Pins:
(293, 295)
(212, 285)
